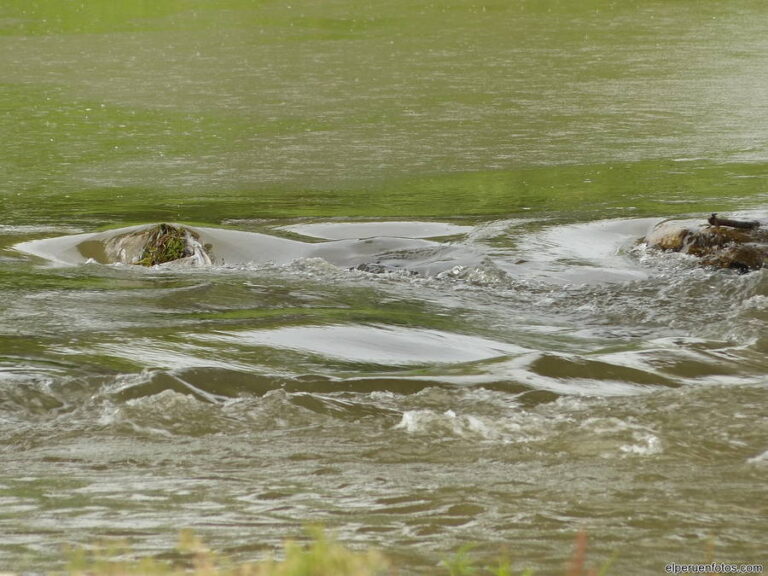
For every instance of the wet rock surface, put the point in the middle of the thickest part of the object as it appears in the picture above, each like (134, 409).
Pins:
(149, 245)
(718, 242)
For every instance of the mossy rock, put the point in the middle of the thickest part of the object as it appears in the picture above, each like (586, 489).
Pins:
(154, 245)
(165, 243)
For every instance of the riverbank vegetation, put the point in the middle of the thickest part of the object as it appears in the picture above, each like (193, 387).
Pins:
(323, 555)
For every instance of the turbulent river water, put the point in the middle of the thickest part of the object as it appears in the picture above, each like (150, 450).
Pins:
(429, 321)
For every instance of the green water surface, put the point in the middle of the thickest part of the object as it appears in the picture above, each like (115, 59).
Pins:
(201, 111)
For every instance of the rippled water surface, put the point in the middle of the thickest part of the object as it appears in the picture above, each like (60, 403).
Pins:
(430, 322)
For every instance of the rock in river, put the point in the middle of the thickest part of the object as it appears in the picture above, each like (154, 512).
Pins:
(157, 244)
(144, 245)
(718, 242)
(180, 245)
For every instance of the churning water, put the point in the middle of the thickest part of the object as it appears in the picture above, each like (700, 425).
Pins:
(476, 389)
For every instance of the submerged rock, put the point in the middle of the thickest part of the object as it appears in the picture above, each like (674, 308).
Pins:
(177, 245)
(720, 242)
(378, 268)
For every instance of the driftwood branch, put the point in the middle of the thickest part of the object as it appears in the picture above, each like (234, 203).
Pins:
(746, 224)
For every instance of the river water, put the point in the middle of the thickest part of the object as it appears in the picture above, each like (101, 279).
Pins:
(508, 367)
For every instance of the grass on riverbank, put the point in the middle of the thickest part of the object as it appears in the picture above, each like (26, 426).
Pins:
(323, 556)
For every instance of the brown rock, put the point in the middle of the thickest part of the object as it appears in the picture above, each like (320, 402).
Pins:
(742, 248)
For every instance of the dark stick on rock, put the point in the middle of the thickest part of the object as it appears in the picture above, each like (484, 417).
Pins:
(745, 224)
(738, 245)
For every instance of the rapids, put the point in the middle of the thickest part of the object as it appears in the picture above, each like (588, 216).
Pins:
(450, 397)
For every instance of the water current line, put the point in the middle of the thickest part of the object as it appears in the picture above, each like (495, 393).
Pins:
(198, 393)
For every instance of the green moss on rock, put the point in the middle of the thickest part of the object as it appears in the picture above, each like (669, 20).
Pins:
(165, 243)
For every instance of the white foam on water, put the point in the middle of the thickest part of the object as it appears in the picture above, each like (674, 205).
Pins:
(760, 459)
(448, 423)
